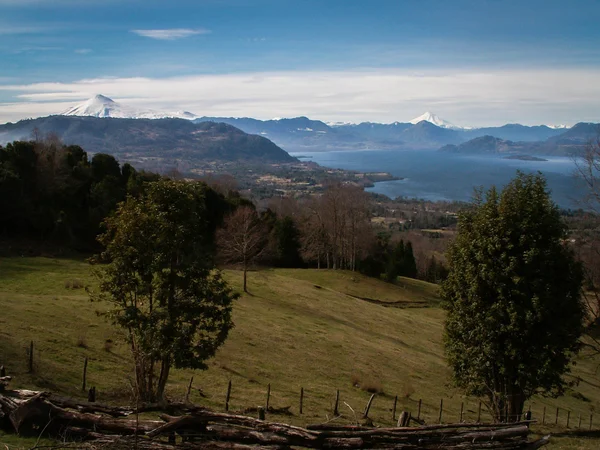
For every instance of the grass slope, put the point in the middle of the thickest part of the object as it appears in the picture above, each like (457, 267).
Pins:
(320, 330)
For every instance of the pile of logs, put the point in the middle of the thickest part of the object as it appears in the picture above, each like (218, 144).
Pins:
(106, 427)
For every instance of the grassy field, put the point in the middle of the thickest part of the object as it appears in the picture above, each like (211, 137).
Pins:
(320, 330)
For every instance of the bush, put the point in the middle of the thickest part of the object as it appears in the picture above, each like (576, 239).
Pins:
(75, 283)
(368, 384)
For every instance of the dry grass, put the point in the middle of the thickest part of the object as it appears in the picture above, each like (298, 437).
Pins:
(287, 333)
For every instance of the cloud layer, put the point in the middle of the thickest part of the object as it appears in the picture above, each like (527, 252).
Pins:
(171, 33)
(467, 98)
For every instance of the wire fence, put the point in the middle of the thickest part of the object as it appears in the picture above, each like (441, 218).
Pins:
(309, 402)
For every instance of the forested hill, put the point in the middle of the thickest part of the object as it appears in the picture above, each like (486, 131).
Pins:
(570, 142)
(131, 139)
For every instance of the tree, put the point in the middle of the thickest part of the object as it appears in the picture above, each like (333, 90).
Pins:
(588, 239)
(287, 243)
(159, 278)
(513, 298)
(242, 238)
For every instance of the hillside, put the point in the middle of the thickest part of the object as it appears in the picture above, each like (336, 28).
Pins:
(320, 330)
(570, 142)
(483, 145)
(170, 140)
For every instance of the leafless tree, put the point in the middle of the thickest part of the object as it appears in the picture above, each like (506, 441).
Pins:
(336, 227)
(242, 238)
(588, 170)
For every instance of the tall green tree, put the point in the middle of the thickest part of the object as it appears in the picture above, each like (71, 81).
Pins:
(159, 278)
(287, 243)
(513, 298)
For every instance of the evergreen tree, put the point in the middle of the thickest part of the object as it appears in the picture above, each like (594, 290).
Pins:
(513, 298)
(409, 264)
(287, 243)
(159, 277)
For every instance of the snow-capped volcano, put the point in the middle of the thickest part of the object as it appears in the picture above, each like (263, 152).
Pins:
(101, 106)
(432, 118)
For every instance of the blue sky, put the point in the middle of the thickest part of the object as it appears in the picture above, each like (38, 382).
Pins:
(473, 62)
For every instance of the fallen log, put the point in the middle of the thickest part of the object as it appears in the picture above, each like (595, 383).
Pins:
(38, 412)
(283, 411)
(113, 411)
(201, 428)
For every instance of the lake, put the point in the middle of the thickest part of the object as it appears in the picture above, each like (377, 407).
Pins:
(434, 175)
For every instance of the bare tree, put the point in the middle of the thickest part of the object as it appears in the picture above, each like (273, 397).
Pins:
(242, 238)
(336, 226)
(588, 170)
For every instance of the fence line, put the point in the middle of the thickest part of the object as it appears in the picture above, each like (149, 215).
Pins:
(468, 411)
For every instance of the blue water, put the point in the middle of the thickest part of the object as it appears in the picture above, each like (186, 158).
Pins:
(433, 175)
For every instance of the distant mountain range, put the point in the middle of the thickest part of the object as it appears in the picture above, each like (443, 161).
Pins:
(302, 134)
(101, 106)
(139, 139)
(569, 142)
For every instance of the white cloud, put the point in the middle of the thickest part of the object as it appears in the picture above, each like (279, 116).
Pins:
(468, 98)
(83, 51)
(171, 34)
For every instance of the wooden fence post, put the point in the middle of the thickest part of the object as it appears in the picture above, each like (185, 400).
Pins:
(556, 421)
(189, 390)
(462, 408)
(544, 416)
(31, 357)
(228, 396)
(591, 416)
(337, 403)
(441, 409)
(301, 398)
(85, 363)
(568, 418)
(479, 412)
(394, 408)
(404, 419)
(368, 407)
(2, 371)
(419, 410)
(579, 424)
(268, 397)
(92, 394)
(261, 413)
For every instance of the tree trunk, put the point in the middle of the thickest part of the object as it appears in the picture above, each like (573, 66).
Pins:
(164, 376)
(508, 407)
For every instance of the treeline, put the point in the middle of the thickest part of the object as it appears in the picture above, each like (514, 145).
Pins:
(331, 231)
(51, 192)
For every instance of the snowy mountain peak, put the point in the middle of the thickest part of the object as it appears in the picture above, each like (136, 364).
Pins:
(102, 106)
(432, 118)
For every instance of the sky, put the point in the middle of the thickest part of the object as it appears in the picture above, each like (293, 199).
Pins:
(471, 62)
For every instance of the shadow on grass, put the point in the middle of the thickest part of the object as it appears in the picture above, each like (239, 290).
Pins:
(590, 434)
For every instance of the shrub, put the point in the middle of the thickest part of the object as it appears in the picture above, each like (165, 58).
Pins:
(74, 283)
(368, 384)
(108, 345)
(81, 341)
